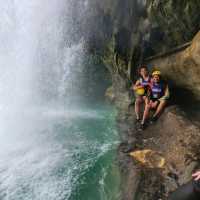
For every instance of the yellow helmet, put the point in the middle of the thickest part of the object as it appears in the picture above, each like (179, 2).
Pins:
(156, 73)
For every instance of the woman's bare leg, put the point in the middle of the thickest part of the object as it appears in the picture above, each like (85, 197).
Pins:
(146, 111)
(138, 103)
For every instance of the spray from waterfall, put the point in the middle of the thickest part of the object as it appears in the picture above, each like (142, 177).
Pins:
(48, 140)
(36, 57)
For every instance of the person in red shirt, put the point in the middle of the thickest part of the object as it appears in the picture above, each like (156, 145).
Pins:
(141, 90)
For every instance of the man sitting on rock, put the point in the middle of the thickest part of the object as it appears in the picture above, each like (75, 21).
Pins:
(159, 94)
(141, 89)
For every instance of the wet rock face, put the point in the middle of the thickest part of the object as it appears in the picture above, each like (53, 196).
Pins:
(183, 68)
(172, 138)
(126, 32)
(178, 140)
(118, 93)
(177, 21)
(132, 21)
(136, 31)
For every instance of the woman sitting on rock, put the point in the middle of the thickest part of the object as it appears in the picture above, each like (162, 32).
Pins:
(141, 89)
(159, 94)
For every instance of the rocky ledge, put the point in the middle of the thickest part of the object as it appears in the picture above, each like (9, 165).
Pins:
(174, 137)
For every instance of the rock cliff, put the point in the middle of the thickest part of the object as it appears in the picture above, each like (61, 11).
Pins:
(175, 138)
(182, 68)
(126, 34)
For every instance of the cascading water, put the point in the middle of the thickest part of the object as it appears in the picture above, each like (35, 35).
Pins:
(49, 148)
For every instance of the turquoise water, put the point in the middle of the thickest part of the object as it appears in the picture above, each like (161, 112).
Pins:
(60, 154)
(50, 150)
(98, 173)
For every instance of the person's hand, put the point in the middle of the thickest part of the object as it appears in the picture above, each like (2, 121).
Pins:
(137, 87)
(140, 86)
(196, 176)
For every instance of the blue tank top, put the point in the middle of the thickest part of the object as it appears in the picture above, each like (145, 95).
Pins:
(145, 82)
(157, 90)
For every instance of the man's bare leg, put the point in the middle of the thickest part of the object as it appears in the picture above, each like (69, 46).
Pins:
(160, 108)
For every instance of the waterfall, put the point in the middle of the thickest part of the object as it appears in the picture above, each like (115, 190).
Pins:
(37, 64)
(35, 56)
(50, 144)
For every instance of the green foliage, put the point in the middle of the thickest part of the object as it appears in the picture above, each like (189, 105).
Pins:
(179, 20)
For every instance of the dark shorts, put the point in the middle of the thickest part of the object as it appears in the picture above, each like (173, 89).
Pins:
(154, 100)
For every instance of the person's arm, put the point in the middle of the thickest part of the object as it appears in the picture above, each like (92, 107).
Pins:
(137, 85)
(166, 94)
(149, 89)
(196, 176)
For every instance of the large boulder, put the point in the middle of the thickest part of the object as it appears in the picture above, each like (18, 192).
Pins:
(178, 140)
(183, 68)
(163, 156)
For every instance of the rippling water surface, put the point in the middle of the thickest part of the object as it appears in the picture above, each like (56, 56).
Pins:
(67, 155)
(50, 150)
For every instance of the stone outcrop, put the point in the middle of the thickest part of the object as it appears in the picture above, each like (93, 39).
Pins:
(182, 68)
(176, 139)
(124, 34)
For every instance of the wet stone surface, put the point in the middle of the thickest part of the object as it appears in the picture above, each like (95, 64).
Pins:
(176, 137)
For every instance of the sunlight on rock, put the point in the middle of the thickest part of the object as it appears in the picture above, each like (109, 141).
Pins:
(149, 158)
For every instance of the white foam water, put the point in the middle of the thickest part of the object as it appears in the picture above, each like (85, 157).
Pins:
(35, 65)
(45, 148)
